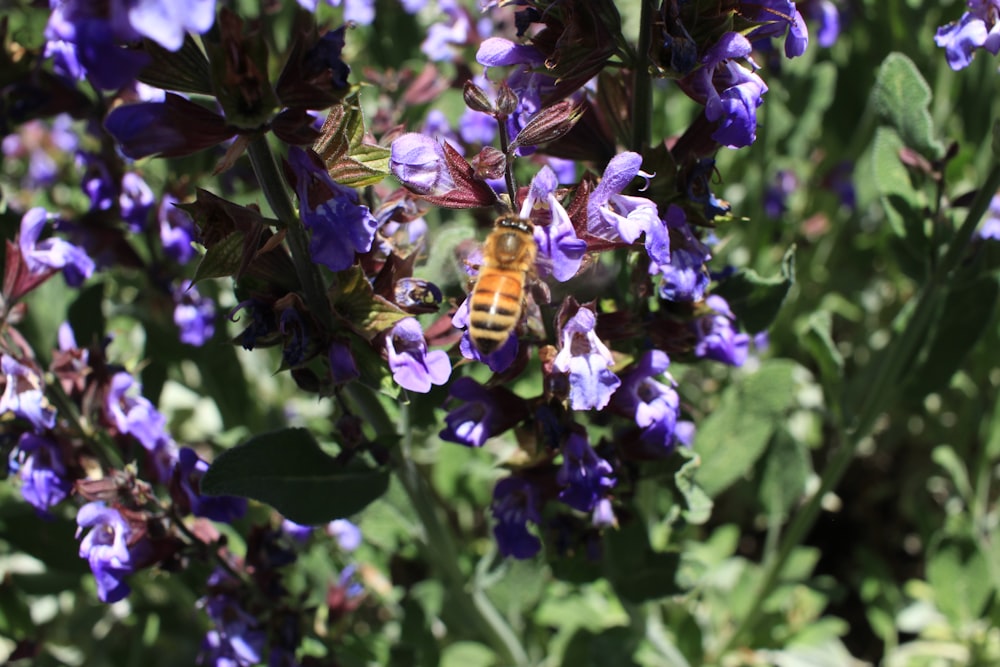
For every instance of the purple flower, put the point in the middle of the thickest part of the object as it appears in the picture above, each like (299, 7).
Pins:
(263, 326)
(238, 640)
(776, 17)
(296, 531)
(653, 405)
(978, 28)
(83, 42)
(487, 412)
(558, 246)
(420, 164)
(990, 229)
(136, 201)
(412, 366)
(603, 515)
(177, 230)
(776, 194)
(588, 362)
(106, 549)
(23, 395)
(455, 30)
(515, 503)
(137, 417)
(347, 534)
(194, 314)
(38, 462)
(171, 128)
(717, 339)
(340, 225)
(361, 12)
(187, 480)
(98, 183)
(343, 368)
(584, 477)
(731, 93)
(613, 216)
(295, 349)
(685, 278)
(52, 253)
(828, 16)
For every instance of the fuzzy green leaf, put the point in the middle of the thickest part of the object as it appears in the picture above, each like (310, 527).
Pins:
(901, 97)
(287, 470)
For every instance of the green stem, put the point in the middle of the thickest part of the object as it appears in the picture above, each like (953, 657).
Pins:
(273, 185)
(508, 168)
(473, 605)
(882, 391)
(642, 89)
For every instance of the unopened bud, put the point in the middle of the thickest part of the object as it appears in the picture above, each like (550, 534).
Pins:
(506, 100)
(476, 98)
(548, 125)
(490, 163)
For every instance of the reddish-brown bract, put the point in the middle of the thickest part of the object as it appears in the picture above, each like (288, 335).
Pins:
(497, 297)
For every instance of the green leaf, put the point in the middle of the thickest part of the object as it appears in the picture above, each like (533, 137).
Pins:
(756, 300)
(968, 310)
(960, 577)
(697, 504)
(467, 654)
(901, 97)
(222, 259)
(287, 470)
(636, 571)
(614, 646)
(733, 437)
(349, 160)
(892, 181)
(15, 617)
(784, 473)
(817, 339)
(185, 70)
(366, 313)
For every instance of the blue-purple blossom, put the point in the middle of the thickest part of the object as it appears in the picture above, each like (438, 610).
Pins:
(499, 359)
(777, 17)
(559, 249)
(343, 368)
(716, 337)
(135, 201)
(347, 534)
(652, 404)
(413, 366)
(24, 395)
(442, 36)
(485, 413)
(97, 182)
(296, 531)
(419, 163)
(188, 474)
(194, 314)
(515, 503)
(341, 226)
(105, 548)
(361, 12)
(978, 28)
(39, 465)
(613, 216)
(603, 515)
(52, 253)
(296, 337)
(990, 229)
(588, 362)
(177, 230)
(584, 477)
(263, 324)
(136, 416)
(83, 42)
(826, 13)
(731, 93)
(685, 277)
(776, 194)
(237, 640)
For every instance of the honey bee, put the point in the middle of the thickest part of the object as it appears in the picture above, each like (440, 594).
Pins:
(497, 297)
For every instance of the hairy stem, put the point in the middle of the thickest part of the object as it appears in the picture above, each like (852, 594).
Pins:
(439, 543)
(642, 90)
(273, 185)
